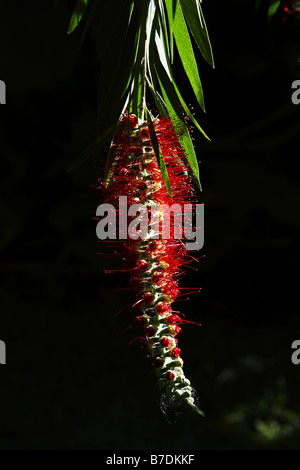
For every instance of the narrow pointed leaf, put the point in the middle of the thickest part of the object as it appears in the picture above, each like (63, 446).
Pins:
(175, 95)
(159, 156)
(188, 112)
(136, 95)
(170, 97)
(161, 49)
(163, 25)
(110, 163)
(80, 7)
(170, 10)
(177, 99)
(195, 19)
(273, 8)
(185, 49)
(151, 24)
(160, 104)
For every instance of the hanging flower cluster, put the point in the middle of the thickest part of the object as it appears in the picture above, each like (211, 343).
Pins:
(150, 161)
(154, 263)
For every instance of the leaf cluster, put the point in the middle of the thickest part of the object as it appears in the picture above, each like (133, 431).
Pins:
(136, 42)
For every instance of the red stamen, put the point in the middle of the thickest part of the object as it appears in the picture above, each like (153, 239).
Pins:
(165, 342)
(170, 376)
(175, 352)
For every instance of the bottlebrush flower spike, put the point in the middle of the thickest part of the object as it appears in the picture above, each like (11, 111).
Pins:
(154, 263)
(136, 48)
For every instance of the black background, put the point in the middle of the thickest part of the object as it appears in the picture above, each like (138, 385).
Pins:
(71, 381)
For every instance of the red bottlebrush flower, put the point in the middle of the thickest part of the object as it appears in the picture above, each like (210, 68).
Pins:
(142, 266)
(175, 352)
(170, 376)
(173, 319)
(154, 260)
(163, 307)
(175, 330)
(150, 331)
(148, 298)
(165, 342)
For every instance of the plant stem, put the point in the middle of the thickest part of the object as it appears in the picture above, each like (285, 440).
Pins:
(144, 78)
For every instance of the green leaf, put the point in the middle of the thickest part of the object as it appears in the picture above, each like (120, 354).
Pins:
(165, 79)
(136, 95)
(161, 49)
(179, 124)
(175, 96)
(170, 15)
(195, 20)
(273, 8)
(110, 163)
(163, 25)
(151, 25)
(185, 49)
(160, 104)
(80, 7)
(94, 148)
(159, 156)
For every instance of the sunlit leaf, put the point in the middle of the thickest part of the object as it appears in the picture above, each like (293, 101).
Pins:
(175, 96)
(159, 156)
(177, 118)
(151, 25)
(80, 7)
(274, 4)
(195, 20)
(161, 49)
(160, 104)
(163, 25)
(185, 49)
